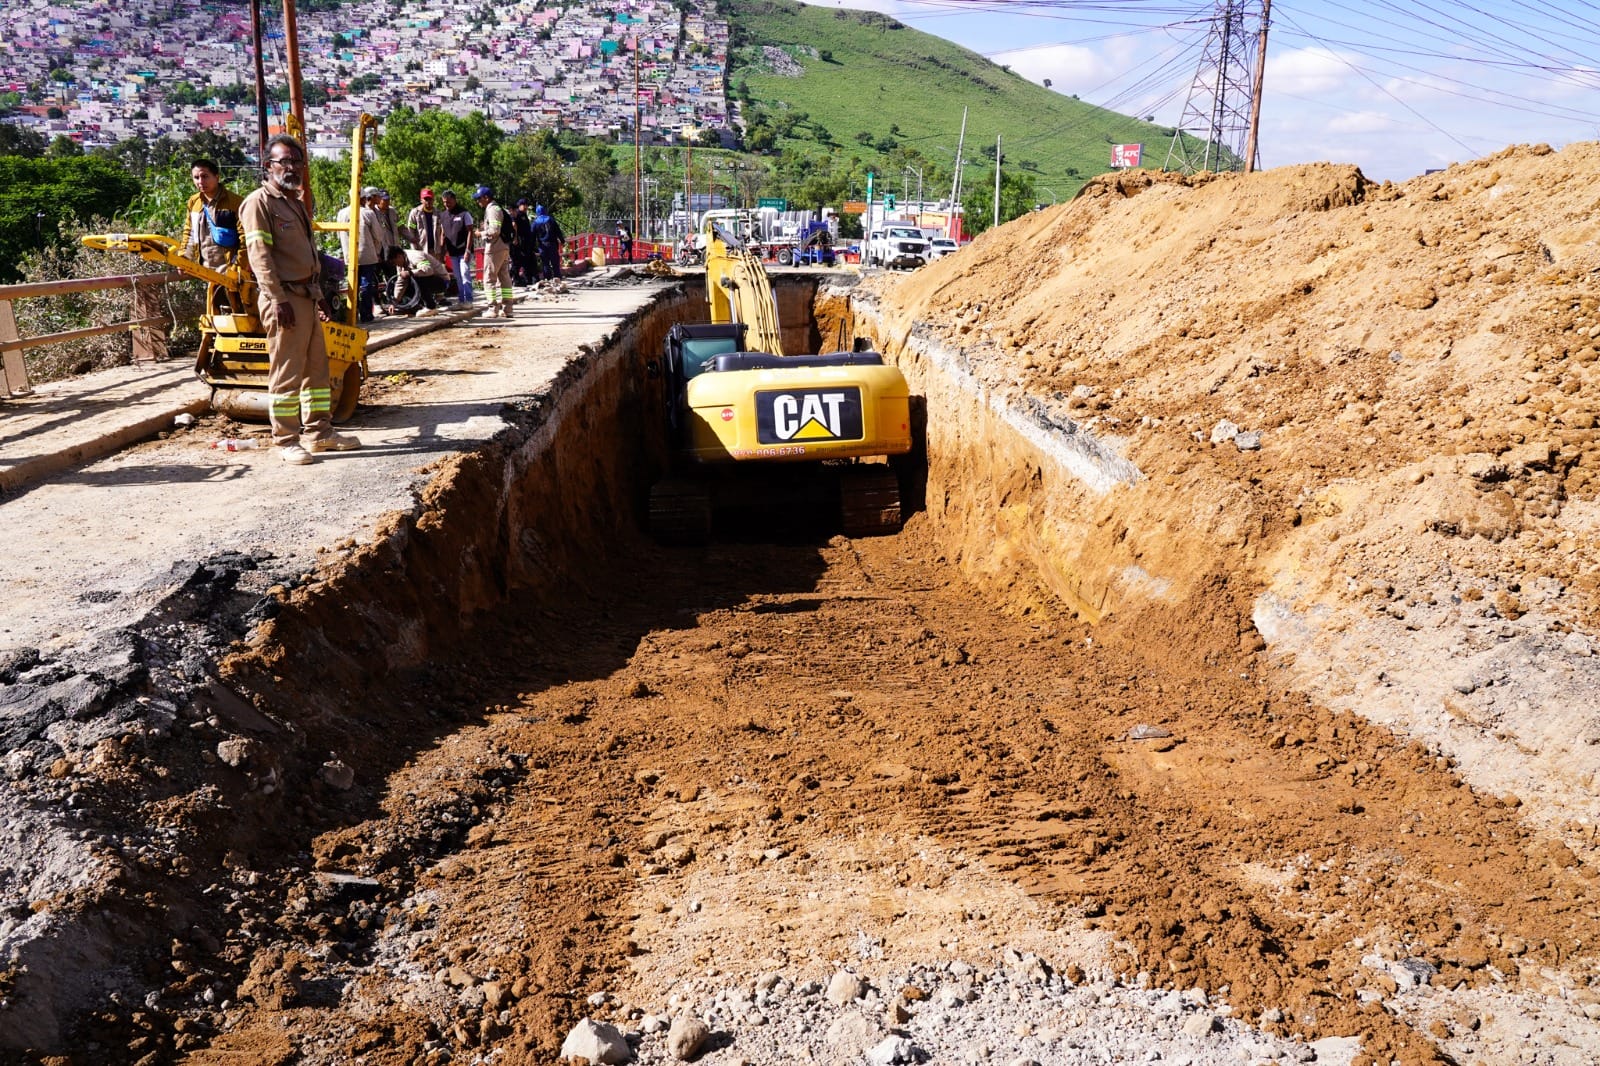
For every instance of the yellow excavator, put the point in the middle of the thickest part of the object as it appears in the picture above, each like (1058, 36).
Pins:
(232, 357)
(753, 428)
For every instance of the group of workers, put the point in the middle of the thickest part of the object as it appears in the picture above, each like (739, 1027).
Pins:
(435, 249)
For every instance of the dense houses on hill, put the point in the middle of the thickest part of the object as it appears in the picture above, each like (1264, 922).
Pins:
(101, 71)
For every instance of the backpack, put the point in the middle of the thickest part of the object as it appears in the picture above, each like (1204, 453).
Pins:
(508, 229)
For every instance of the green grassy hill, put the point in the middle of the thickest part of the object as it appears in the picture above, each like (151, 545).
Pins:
(877, 88)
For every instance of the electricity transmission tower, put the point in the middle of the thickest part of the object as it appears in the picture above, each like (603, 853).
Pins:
(1223, 100)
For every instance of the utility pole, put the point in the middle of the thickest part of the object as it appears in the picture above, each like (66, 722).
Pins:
(1251, 148)
(297, 96)
(997, 180)
(636, 156)
(261, 83)
(955, 181)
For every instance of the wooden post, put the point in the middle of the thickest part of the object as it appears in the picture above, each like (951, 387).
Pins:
(16, 371)
(149, 342)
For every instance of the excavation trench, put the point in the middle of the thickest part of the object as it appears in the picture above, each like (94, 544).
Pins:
(585, 765)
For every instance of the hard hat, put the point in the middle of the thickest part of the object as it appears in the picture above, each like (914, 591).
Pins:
(369, 192)
(481, 192)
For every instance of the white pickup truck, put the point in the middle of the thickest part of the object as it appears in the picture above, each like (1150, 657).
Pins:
(897, 245)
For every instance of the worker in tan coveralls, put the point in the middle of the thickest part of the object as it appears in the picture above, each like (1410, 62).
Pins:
(277, 237)
(496, 254)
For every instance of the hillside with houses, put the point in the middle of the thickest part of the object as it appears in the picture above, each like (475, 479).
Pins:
(102, 71)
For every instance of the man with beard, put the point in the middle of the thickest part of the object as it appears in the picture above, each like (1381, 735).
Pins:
(283, 255)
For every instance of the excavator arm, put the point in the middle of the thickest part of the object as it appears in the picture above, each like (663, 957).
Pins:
(738, 290)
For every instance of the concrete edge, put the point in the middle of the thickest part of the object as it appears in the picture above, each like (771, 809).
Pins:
(30, 472)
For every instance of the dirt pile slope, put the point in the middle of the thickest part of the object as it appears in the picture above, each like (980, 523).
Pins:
(1367, 411)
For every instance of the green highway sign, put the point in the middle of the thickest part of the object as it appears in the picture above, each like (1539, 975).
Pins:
(773, 201)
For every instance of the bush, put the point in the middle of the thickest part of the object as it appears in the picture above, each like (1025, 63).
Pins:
(41, 315)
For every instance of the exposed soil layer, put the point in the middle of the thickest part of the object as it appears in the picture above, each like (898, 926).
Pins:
(765, 753)
(511, 765)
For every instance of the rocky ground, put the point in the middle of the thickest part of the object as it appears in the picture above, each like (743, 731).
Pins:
(1227, 700)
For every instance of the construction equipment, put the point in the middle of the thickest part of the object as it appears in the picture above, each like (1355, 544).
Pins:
(750, 428)
(813, 247)
(233, 356)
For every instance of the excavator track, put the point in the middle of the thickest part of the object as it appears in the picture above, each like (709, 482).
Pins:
(680, 512)
(869, 500)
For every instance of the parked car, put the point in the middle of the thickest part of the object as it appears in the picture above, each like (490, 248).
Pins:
(940, 247)
(897, 246)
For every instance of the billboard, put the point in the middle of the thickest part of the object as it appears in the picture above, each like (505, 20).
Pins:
(1126, 155)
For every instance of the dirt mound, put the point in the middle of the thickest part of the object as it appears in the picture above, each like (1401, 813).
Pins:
(1367, 409)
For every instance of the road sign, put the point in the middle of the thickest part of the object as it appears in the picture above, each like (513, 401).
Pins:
(773, 201)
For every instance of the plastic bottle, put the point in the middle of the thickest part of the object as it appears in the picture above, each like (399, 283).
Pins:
(235, 444)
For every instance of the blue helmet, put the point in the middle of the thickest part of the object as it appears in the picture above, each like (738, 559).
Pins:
(481, 192)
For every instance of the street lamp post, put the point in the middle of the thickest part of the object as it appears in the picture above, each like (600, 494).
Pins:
(918, 172)
(651, 215)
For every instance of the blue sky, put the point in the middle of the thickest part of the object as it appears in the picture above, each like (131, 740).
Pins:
(1394, 86)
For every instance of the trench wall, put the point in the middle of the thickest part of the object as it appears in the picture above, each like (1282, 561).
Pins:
(1018, 496)
(553, 498)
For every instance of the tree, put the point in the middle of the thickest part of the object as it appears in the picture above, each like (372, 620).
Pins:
(42, 193)
(434, 148)
(529, 164)
(759, 138)
(593, 174)
(1017, 198)
(132, 153)
(63, 147)
(17, 140)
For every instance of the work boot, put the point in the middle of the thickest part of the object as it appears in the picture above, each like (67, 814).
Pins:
(294, 455)
(336, 442)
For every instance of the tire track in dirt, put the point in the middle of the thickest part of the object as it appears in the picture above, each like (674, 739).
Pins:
(806, 710)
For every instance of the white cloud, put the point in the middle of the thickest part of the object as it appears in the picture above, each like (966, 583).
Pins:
(1308, 71)
(1071, 68)
(1362, 123)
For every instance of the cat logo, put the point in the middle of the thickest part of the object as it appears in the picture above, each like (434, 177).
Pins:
(808, 415)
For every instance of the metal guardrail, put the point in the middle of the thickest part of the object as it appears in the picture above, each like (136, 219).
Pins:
(149, 328)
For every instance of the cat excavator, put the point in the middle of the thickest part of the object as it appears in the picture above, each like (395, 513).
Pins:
(752, 428)
(233, 356)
